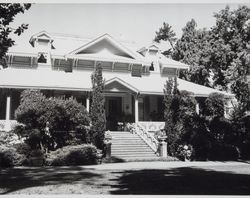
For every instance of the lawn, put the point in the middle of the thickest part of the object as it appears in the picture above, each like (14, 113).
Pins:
(130, 178)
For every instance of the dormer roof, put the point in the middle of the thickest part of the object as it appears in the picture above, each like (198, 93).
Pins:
(43, 35)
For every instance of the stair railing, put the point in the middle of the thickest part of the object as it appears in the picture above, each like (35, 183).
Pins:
(147, 137)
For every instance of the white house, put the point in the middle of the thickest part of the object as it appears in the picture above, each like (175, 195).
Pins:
(61, 65)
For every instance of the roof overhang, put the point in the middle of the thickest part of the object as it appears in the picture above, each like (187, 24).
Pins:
(111, 59)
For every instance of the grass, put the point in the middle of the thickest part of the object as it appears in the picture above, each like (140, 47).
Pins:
(189, 180)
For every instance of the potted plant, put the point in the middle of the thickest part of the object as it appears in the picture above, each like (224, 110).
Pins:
(36, 157)
(185, 152)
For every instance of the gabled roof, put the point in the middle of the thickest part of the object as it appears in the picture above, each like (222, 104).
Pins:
(43, 35)
(110, 40)
(122, 82)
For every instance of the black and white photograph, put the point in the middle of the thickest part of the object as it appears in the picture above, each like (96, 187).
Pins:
(146, 98)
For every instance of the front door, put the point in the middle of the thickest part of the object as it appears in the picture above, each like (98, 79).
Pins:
(114, 112)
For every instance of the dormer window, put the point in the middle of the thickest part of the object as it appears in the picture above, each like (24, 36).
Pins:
(151, 68)
(42, 58)
(42, 40)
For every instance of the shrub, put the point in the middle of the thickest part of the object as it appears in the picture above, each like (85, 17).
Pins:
(221, 129)
(73, 155)
(23, 149)
(36, 112)
(10, 157)
(214, 105)
(245, 151)
(9, 138)
(221, 151)
(32, 106)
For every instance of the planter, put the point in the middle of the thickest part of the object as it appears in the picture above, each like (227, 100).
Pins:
(36, 161)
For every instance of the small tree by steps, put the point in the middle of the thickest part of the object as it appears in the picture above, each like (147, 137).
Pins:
(179, 109)
(169, 89)
(97, 110)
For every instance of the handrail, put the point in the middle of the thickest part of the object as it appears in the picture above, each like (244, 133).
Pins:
(148, 138)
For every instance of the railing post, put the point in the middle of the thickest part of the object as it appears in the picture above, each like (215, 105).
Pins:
(108, 143)
(136, 109)
(162, 146)
(87, 104)
(7, 115)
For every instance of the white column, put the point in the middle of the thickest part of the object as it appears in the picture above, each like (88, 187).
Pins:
(87, 104)
(197, 108)
(7, 115)
(136, 109)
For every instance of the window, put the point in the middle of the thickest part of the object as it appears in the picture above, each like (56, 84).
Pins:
(42, 58)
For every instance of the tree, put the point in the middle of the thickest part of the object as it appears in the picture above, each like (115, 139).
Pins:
(179, 106)
(219, 57)
(230, 57)
(230, 37)
(166, 33)
(97, 111)
(8, 12)
(193, 49)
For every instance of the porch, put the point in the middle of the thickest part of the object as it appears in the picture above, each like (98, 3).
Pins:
(121, 107)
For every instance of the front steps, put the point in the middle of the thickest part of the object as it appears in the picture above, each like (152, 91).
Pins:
(130, 147)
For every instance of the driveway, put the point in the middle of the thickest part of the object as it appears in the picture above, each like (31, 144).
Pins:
(160, 178)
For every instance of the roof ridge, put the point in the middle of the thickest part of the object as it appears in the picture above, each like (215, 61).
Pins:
(75, 36)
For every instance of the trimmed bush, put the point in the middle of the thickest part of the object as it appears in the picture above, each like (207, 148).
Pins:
(23, 149)
(10, 157)
(73, 155)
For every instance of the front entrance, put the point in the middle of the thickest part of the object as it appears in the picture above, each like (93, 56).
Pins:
(113, 108)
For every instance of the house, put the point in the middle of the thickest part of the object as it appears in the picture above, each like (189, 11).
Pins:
(62, 65)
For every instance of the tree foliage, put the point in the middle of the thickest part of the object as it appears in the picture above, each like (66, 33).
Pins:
(192, 49)
(8, 12)
(36, 112)
(166, 33)
(214, 105)
(220, 56)
(97, 111)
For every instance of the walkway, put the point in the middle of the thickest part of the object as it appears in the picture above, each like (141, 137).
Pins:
(191, 178)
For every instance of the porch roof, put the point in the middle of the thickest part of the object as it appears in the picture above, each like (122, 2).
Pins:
(81, 81)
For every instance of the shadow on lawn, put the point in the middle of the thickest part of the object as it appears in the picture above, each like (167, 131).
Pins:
(190, 181)
(13, 179)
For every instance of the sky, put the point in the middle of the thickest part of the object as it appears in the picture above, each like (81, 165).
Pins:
(130, 22)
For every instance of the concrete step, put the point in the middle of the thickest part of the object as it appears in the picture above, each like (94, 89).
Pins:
(132, 151)
(127, 141)
(122, 148)
(130, 147)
